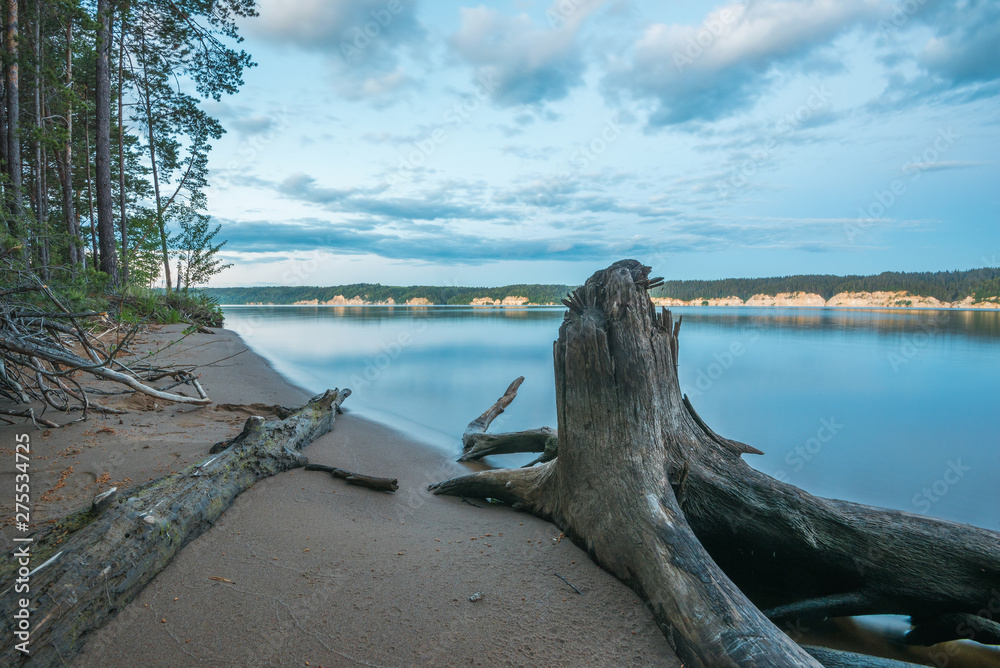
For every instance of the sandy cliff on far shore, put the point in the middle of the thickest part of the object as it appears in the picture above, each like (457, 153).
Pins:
(843, 299)
(788, 299)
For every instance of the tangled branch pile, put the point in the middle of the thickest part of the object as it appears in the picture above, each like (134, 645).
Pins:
(48, 352)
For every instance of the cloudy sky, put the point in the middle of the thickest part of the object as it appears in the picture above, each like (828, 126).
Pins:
(409, 141)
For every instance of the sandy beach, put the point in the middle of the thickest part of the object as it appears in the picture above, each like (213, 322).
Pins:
(325, 574)
(304, 569)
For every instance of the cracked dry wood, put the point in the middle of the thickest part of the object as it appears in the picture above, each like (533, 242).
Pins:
(629, 445)
(92, 563)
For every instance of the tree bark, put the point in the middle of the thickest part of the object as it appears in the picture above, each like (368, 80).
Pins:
(66, 164)
(360, 479)
(3, 109)
(661, 501)
(122, 199)
(41, 193)
(93, 563)
(14, 199)
(102, 103)
(623, 432)
(90, 196)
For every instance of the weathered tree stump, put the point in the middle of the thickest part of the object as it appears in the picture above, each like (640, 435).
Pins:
(94, 562)
(669, 506)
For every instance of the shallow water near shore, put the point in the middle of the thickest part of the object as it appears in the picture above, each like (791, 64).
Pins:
(887, 407)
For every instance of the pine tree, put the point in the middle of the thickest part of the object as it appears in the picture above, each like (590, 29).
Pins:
(196, 248)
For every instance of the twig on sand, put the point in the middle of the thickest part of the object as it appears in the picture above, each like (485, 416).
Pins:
(569, 583)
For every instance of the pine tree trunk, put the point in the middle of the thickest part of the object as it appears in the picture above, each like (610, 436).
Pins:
(90, 196)
(157, 198)
(122, 210)
(41, 216)
(3, 111)
(66, 163)
(14, 198)
(102, 92)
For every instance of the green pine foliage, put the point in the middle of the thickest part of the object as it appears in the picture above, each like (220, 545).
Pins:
(536, 294)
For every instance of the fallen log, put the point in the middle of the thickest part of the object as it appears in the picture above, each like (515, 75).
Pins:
(360, 479)
(833, 658)
(89, 565)
(895, 569)
(954, 626)
(661, 501)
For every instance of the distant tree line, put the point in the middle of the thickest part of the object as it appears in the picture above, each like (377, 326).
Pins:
(103, 142)
(947, 286)
(536, 294)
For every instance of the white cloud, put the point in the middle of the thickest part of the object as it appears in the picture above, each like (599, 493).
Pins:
(361, 39)
(710, 71)
(531, 64)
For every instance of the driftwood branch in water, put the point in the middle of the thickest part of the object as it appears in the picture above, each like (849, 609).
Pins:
(476, 443)
(92, 563)
(371, 482)
(669, 506)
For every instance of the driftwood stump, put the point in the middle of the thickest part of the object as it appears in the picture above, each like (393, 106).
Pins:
(669, 506)
(91, 564)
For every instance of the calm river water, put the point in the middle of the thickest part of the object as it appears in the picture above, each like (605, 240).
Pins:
(891, 408)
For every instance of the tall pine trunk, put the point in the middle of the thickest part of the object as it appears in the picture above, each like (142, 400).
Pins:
(105, 218)
(122, 211)
(40, 192)
(90, 195)
(3, 115)
(160, 223)
(66, 164)
(14, 200)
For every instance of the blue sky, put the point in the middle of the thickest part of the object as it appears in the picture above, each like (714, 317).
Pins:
(417, 142)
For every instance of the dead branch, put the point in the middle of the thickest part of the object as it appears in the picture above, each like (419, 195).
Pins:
(371, 482)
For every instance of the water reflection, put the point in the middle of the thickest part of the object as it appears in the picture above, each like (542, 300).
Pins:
(888, 407)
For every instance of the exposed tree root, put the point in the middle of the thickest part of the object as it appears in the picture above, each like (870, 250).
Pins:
(662, 501)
